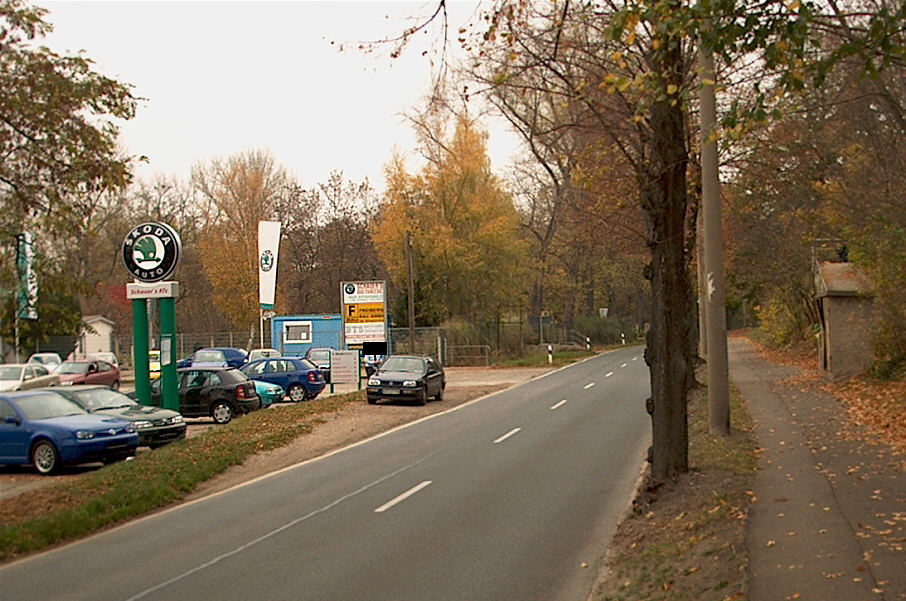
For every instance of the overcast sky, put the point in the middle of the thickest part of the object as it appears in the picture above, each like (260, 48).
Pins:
(221, 78)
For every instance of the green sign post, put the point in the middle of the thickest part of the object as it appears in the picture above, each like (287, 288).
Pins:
(150, 253)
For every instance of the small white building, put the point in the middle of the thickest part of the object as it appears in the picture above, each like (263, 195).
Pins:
(96, 335)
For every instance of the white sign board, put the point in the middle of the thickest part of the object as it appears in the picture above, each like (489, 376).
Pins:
(139, 290)
(344, 367)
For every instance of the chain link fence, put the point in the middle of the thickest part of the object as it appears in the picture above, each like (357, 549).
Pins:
(459, 343)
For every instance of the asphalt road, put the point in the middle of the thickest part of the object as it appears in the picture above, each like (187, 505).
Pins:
(503, 498)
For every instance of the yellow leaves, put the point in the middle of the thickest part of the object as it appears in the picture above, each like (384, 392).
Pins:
(671, 89)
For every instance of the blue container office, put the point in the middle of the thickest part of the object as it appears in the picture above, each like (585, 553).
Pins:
(293, 335)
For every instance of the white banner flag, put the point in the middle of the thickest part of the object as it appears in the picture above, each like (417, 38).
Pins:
(268, 248)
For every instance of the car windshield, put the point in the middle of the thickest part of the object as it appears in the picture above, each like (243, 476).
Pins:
(209, 357)
(231, 376)
(103, 398)
(320, 355)
(44, 359)
(10, 372)
(409, 364)
(73, 367)
(47, 405)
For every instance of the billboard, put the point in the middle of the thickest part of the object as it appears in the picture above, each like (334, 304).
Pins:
(364, 313)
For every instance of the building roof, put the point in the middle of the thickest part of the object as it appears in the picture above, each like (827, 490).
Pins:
(840, 279)
(90, 319)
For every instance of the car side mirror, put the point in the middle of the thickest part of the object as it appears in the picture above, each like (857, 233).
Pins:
(12, 419)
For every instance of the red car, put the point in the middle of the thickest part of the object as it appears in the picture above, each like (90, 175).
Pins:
(89, 371)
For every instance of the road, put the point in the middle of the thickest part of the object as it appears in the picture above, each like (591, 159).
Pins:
(502, 498)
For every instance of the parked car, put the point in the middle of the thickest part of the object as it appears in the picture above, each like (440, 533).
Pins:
(209, 358)
(105, 356)
(321, 358)
(407, 377)
(262, 353)
(218, 392)
(89, 371)
(154, 364)
(47, 430)
(235, 357)
(49, 360)
(300, 379)
(269, 393)
(23, 376)
(155, 426)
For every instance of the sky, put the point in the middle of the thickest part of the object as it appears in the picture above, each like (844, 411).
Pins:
(222, 78)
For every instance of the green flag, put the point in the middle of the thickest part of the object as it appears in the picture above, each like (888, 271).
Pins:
(27, 286)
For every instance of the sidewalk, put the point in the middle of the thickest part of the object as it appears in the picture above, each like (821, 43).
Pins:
(829, 522)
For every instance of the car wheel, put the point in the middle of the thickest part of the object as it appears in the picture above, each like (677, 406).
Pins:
(422, 398)
(45, 458)
(440, 394)
(296, 393)
(222, 412)
(115, 386)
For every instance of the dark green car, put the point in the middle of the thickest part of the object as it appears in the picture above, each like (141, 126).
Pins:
(155, 426)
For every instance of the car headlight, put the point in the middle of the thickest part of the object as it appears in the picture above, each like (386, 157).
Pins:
(177, 419)
(84, 435)
(374, 382)
(129, 429)
(141, 424)
(410, 383)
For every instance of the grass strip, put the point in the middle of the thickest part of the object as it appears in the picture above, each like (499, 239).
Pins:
(96, 500)
(685, 540)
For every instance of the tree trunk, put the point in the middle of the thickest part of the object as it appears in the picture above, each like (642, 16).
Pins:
(669, 352)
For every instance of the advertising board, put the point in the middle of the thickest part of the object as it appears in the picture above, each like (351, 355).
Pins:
(364, 312)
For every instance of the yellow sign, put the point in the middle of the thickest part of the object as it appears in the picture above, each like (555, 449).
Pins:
(364, 313)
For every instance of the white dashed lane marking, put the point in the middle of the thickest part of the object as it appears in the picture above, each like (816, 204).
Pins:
(402, 497)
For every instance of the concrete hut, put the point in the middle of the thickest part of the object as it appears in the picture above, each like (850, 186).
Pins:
(845, 309)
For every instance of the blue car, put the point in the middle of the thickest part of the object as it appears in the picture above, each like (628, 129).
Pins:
(300, 378)
(269, 393)
(234, 357)
(47, 430)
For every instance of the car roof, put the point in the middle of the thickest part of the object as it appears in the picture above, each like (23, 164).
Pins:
(76, 388)
(17, 394)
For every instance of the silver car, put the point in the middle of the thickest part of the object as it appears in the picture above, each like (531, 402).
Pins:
(24, 376)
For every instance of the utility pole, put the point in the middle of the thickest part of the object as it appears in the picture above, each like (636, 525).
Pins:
(715, 311)
(411, 294)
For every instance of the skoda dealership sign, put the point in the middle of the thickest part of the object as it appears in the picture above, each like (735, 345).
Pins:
(151, 251)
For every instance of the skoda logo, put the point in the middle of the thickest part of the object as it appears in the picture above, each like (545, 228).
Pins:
(350, 288)
(267, 260)
(150, 251)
